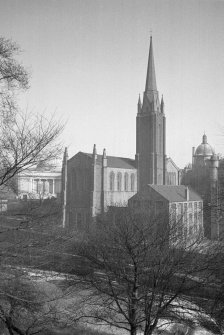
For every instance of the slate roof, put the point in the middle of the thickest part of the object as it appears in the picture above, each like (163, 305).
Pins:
(116, 162)
(175, 193)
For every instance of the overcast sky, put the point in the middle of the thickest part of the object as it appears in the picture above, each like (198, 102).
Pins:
(88, 61)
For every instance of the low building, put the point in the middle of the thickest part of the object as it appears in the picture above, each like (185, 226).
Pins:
(39, 182)
(180, 206)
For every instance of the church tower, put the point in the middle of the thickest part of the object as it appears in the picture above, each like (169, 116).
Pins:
(151, 131)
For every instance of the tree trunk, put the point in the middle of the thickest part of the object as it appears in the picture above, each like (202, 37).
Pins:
(11, 328)
(149, 330)
(8, 324)
(133, 330)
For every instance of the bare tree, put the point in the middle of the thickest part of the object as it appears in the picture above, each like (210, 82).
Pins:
(26, 138)
(25, 307)
(138, 272)
(12, 73)
(26, 141)
(13, 77)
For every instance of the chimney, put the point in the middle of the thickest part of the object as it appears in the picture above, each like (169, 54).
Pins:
(187, 193)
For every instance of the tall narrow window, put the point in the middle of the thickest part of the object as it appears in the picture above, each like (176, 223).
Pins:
(126, 181)
(132, 182)
(112, 181)
(119, 181)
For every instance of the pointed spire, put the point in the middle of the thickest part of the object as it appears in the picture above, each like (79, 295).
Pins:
(139, 104)
(104, 153)
(139, 100)
(151, 74)
(104, 160)
(94, 150)
(65, 158)
(162, 105)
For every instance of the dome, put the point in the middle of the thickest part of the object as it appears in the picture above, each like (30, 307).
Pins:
(204, 149)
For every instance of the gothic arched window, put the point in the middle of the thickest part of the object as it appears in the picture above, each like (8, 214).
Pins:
(119, 181)
(112, 181)
(132, 182)
(126, 181)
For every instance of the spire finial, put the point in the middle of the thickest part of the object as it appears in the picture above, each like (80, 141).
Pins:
(204, 139)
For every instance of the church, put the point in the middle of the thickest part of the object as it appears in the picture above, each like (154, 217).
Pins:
(93, 182)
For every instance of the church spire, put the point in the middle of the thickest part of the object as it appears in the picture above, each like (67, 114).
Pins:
(150, 84)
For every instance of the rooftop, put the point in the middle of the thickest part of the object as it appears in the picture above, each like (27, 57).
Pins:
(115, 162)
(176, 193)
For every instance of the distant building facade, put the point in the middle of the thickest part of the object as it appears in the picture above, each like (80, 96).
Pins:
(39, 182)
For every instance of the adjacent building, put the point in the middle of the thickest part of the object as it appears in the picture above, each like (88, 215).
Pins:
(180, 206)
(204, 177)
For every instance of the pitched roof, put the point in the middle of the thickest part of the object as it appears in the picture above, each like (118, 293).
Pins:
(121, 162)
(169, 159)
(116, 162)
(175, 193)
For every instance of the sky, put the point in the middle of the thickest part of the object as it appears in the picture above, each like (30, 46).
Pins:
(88, 62)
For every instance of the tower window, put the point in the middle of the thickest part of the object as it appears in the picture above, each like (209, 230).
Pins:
(112, 181)
(132, 182)
(126, 181)
(119, 181)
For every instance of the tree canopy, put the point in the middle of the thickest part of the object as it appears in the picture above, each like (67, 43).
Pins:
(139, 275)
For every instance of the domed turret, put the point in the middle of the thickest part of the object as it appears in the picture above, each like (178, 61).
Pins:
(204, 149)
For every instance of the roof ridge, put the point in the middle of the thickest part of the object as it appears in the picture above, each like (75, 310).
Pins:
(87, 153)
